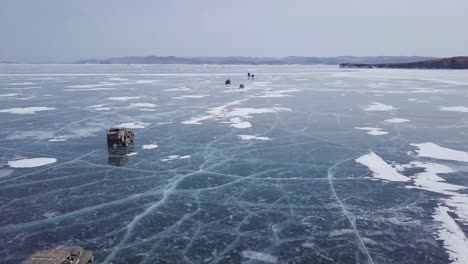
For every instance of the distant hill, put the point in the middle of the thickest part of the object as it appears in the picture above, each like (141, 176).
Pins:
(254, 60)
(446, 63)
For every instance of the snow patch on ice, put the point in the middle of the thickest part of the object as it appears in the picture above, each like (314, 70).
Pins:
(132, 125)
(374, 131)
(255, 137)
(149, 105)
(150, 146)
(31, 163)
(381, 169)
(376, 106)
(190, 96)
(176, 89)
(397, 120)
(176, 157)
(431, 150)
(9, 94)
(123, 98)
(26, 110)
(259, 256)
(453, 238)
(132, 154)
(461, 109)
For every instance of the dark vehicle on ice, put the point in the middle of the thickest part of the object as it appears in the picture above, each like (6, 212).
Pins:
(119, 136)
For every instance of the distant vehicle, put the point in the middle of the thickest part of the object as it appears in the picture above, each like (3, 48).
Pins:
(61, 255)
(241, 86)
(119, 136)
(227, 82)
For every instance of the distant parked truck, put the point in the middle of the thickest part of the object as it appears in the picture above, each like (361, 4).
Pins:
(119, 136)
(61, 255)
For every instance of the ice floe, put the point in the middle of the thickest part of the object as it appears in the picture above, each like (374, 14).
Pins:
(249, 254)
(132, 125)
(461, 109)
(431, 150)
(397, 120)
(132, 154)
(253, 137)
(31, 163)
(150, 146)
(381, 169)
(123, 98)
(376, 106)
(26, 110)
(374, 131)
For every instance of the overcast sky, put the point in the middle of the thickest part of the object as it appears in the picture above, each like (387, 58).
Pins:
(62, 30)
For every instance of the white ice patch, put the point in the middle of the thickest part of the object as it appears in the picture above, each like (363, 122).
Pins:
(374, 131)
(455, 241)
(397, 120)
(213, 113)
(431, 150)
(123, 98)
(21, 83)
(90, 89)
(259, 256)
(176, 157)
(26, 110)
(381, 169)
(461, 109)
(132, 125)
(148, 109)
(176, 89)
(417, 100)
(430, 181)
(150, 146)
(190, 96)
(31, 163)
(148, 105)
(376, 106)
(253, 137)
(9, 95)
(132, 154)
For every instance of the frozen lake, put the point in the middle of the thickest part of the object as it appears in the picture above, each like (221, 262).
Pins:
(306, 164)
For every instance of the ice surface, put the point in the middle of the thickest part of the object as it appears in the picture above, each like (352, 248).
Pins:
(31, 163)
(273, 173)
